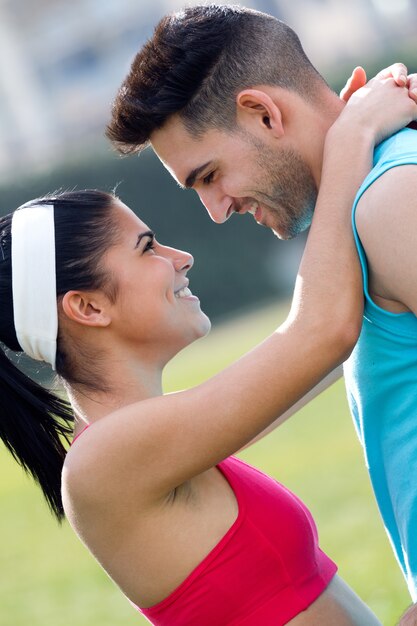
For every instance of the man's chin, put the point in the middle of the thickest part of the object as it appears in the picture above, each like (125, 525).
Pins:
(286, 229)
(291, 233)
(282, 234)
(278, 230)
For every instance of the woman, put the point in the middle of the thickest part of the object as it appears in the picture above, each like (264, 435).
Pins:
(190, 534)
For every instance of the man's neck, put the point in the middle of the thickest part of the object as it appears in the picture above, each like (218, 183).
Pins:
(326, 114)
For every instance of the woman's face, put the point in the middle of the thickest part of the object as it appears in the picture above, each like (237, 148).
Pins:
(154, 308)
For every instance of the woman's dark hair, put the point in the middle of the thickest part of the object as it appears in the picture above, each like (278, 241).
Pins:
(35, 423)
(195, 64)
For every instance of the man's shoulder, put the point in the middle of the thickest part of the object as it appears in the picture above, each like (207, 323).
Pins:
(398, 150)
(402, 144)
(385, 221)
(389, 196)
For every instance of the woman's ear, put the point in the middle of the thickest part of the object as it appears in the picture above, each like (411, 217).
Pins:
(258, 111)
(86, 308)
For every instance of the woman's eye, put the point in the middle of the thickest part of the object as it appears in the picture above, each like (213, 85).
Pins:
(208, 179)
(150, 245)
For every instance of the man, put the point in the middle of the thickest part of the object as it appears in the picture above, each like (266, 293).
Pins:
(235, 110)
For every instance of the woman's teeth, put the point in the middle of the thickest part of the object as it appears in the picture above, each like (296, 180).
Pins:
(183, 293)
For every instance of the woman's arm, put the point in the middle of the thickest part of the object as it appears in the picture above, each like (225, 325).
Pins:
(155, 445)
(324, 384)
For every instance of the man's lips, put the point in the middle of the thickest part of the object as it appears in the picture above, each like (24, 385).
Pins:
(251, 206)
(258, 214)
(255, 210)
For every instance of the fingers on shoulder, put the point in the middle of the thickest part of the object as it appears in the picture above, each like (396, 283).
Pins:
(397, 71)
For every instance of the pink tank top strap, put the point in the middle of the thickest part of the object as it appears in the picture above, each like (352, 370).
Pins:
(80, 433)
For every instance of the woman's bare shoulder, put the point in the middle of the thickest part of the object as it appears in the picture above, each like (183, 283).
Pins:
(97, 491)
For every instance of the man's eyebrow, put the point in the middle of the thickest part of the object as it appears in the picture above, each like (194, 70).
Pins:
(147, 233)
(190, 180)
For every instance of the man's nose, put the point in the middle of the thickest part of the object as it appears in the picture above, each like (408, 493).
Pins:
(218, 205)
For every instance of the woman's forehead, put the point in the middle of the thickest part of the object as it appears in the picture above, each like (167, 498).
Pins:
(128, 220)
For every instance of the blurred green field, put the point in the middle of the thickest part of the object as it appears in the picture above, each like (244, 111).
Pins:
(47, 578)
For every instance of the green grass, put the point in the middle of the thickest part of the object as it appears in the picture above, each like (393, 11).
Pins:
(47, 577)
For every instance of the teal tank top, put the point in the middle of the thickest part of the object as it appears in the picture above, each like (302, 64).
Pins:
(381, 383)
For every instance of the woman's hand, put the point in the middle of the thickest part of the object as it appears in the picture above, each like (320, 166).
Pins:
(397, 71)
(410, 617)
(380, 108)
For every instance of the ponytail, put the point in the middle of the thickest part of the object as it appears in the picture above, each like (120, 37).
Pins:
(34, 423)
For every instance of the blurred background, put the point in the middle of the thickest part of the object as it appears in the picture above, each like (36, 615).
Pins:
(61, 63)
(60, 66)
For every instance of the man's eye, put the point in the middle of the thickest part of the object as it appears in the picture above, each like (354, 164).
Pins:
(208, 179)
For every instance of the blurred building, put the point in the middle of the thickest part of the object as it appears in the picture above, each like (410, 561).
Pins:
(61, 62)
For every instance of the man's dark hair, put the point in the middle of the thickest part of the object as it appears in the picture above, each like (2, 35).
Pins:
(196, 63)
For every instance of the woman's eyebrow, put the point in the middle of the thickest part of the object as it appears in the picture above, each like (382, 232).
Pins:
(147, 233)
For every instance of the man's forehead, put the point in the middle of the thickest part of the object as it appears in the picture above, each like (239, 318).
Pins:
(180, 152)
(174, 134)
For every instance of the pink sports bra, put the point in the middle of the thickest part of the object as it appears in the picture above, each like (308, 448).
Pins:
(263, 572)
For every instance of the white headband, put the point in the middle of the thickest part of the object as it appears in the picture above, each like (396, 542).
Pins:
(34, 282)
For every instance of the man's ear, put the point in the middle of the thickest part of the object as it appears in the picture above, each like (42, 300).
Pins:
(258, 111)
(85, 308)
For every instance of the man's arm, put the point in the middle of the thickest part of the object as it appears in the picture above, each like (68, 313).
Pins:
(313, 393)
(386, 220)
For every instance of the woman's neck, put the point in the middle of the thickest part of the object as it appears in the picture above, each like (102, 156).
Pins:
(124, 384)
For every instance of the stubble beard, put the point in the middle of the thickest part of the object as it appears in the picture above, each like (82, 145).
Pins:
(289, 191)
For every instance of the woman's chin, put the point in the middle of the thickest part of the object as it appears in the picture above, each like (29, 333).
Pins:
(201, 329)
(206, 326)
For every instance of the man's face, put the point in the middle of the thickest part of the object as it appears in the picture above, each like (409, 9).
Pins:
(239, 173)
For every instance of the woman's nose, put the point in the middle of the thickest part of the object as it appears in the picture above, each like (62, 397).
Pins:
(183, 261)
